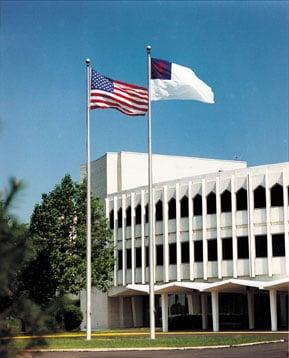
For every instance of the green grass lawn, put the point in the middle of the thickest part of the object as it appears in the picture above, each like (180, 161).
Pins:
(136, 342)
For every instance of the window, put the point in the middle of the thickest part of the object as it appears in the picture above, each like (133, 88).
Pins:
(198, 251)
(172, 208)
(147, 213)
(278, 245)
(147, 256)
(138, 257)
(138, 214)
(159, 211)
(173, 254)
(211, 203)
(259, 197)
(212, 250)
(184, 207)
(128, 216)
(243, 247)
(276, 195)
(160, 255)
(197, 205)
(261, 245)
(185, 252)
(119, 259)
(128, 258)
(111, 219)
(226, 203)
(241, 199)
(119, 217)
(227, 248)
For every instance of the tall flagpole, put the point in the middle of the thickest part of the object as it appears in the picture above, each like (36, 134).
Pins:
(88, 212)
(151, 219)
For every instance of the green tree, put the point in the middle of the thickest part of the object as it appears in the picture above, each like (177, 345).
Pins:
(15, 252)
(58, 230)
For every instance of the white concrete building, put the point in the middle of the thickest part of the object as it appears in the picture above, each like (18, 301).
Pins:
(221, 242)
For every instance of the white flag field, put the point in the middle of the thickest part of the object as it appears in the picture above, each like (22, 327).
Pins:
(172, 81)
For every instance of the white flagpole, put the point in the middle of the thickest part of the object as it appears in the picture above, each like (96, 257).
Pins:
(151, 218)
(88, 213)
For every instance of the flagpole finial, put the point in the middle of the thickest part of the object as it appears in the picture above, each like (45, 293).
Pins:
(149, 49)
(87, 61)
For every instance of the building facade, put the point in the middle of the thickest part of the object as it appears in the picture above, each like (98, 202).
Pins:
(221, 247)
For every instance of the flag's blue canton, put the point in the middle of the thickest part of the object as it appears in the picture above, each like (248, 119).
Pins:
(99, 82)
(161, 69)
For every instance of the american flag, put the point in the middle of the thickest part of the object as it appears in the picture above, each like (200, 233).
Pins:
(107, 93)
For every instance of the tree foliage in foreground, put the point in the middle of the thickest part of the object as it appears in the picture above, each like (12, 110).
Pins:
(58, 229)
(15, 252)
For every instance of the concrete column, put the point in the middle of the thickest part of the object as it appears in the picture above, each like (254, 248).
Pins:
(251, 311)
(218, 220)
(123, 205)
(190, 304)
(252, 251)
(165, 235)
(234, 234)
(115, 224)
(121, 312)
(268, 224)
(204, 303)
(191, 242)
(143, 261)
(273, 309)
(205, 243)
(165, 316)
(132, 239)
(178, 241)
(215, 310)
(285, 199)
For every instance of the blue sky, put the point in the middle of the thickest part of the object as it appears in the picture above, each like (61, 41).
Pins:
(239, 48)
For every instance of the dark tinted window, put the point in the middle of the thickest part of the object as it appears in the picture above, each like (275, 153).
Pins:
(226, 203)
(276, 195)
(198, 251)
(111, 219)
(173, 254)
(119, 217)
(211, 203)
(243, 247)
(119, 259)
(172, 208)
(138, 214)
(184, 207)
(227, 248)
(138, 257)
(212, 250)
(159, 211)
(261, 245)
(259, 198)
(160, 255)
(128, 258)
(147, 256)
(278, 244)
(128, 216)
(147, 213)
(185, 252)
(241, 199)
(197, 205)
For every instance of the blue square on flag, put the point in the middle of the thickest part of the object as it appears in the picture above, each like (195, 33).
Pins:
(161, 69)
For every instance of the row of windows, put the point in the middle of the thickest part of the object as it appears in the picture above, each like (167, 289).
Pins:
(278, 247)
(226, 205)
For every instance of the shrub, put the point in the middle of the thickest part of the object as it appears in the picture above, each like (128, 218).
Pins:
(72, 317)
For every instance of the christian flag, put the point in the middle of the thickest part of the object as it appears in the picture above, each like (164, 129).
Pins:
(172, 81)
(127, 98)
